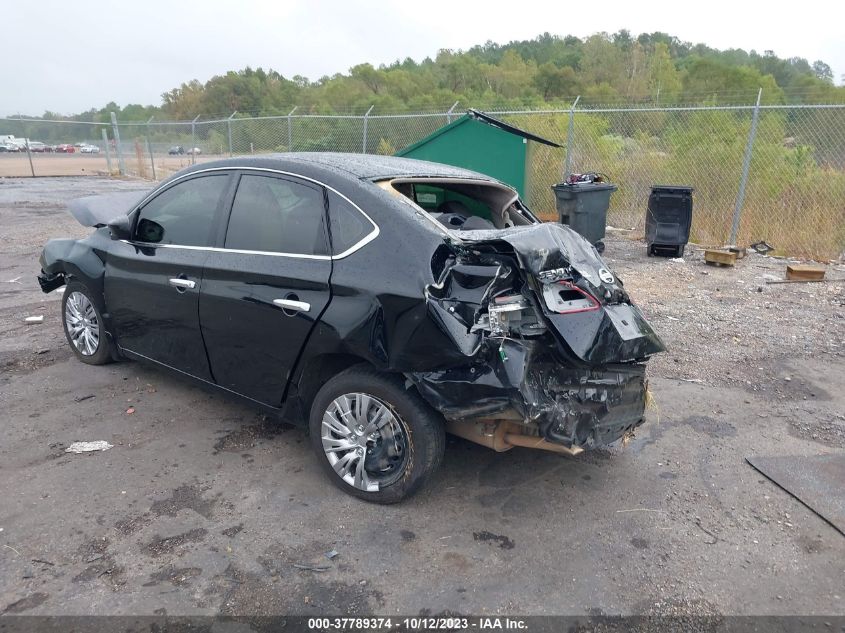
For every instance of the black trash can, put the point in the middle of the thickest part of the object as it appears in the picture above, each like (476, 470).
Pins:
(583, 207)
(668, 220)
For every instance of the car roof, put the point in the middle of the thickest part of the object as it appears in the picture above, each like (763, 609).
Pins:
(362, 166)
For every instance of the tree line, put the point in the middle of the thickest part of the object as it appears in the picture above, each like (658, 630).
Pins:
(547, 71)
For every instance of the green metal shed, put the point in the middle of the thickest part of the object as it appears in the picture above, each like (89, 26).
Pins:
(479, 142)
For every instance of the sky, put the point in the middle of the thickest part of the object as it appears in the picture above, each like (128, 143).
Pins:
(68, 57)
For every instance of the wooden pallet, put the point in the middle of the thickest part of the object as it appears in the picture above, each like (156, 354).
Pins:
(805, 272)
(719, 257)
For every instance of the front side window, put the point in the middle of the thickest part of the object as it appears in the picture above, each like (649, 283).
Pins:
(276, 215)
(182, 214)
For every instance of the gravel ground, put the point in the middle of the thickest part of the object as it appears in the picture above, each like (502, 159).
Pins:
(728, 327)
(204, 506)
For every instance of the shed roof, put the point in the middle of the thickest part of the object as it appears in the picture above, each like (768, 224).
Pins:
(475, 115)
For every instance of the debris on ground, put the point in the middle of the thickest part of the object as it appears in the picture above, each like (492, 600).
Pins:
(330, 555)
(88, 447)
(795, 281)
(805, 272)
(719, 257)
(762, 247)
(34, 319)
(814, 480)
(306, 567)
(83, 398)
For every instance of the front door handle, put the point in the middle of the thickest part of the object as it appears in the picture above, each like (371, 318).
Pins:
(292, 305)
(183, 284)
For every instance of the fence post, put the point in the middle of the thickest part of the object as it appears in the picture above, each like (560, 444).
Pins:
(121, 167)
(106, 147)
(746, 167)
(194, 139)
(290, 129)
(449, 112)
(26, 142)
(366, 117)
(229, 126)
(570, 132)
(150, 148)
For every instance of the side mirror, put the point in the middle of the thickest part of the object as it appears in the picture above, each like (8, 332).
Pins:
(120, 228)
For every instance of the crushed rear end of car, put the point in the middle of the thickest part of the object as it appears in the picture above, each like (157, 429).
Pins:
(554, 351)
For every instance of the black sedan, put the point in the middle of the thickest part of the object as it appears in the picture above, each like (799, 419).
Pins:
(382, 301)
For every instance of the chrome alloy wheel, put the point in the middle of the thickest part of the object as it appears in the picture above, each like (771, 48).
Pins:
(83, 326)
(365, 441)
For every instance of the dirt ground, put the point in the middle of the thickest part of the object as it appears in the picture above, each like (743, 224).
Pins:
(204, 506)
(77, 164)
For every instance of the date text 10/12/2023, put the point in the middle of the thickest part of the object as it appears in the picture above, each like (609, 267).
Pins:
(418, 623)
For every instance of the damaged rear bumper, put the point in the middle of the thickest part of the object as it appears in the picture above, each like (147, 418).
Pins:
(548, 342)
(541, 396)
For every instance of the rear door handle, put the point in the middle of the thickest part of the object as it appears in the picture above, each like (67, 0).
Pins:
(183, 284)
(295, 306)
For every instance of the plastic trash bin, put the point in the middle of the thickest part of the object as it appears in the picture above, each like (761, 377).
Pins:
(668, 219)
(583, 207)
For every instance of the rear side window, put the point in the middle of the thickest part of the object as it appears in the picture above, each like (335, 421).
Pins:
(182, 214)
(278, 216)
(348, 225)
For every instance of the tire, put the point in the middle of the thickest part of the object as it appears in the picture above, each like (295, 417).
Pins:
(90, 344)
(398, 458)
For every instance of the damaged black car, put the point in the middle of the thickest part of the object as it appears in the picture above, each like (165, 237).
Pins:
(383, 301)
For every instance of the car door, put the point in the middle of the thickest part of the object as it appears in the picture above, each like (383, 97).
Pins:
(153, 280)
(267, 285)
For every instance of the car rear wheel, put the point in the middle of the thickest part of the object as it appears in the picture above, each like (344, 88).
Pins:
(83, 325)
(375, 439)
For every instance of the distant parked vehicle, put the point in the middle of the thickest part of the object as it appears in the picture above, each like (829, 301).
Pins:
(89, 149)
(8, 147)
(64, 148)
(196, 151)
(176, 150)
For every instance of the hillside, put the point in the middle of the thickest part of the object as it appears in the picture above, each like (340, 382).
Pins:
(549, 70)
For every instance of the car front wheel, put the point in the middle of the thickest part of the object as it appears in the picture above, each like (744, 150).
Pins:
(375, 439)
(83, 325)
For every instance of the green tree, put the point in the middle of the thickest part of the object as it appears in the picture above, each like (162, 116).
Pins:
(552, 82)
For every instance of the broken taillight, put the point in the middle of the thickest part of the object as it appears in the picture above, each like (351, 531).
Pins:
(513, 314)
(564, 297)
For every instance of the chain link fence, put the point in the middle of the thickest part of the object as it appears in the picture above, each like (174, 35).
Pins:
(773, 173)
